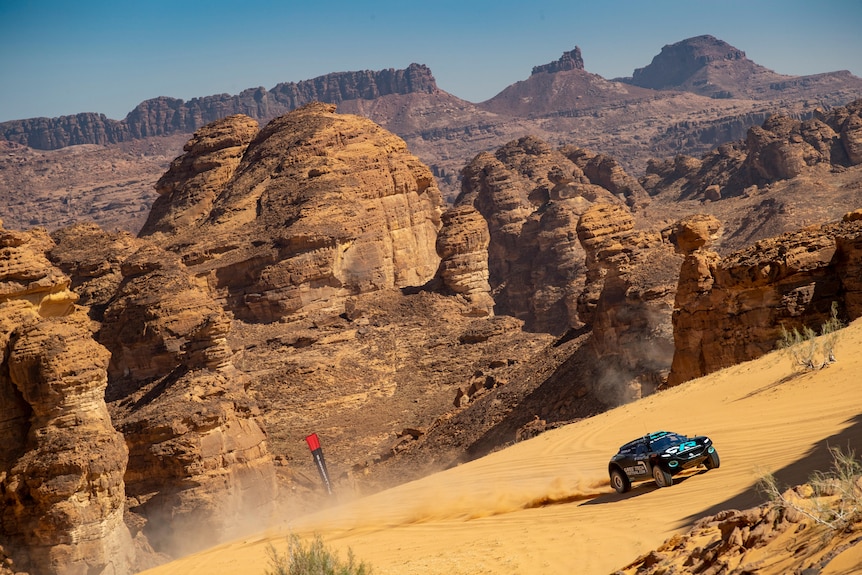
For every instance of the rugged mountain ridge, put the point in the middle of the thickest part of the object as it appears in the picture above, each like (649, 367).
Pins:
(562, 87)
(711, 67)
(164, 115)
(560, 103)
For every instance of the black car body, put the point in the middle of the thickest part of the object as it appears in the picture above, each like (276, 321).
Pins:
(659, 456)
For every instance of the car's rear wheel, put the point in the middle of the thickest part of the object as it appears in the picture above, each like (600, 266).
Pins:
(662, 477)
(619, 481)
(712, 462)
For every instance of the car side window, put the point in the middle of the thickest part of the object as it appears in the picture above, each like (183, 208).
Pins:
(641, 449)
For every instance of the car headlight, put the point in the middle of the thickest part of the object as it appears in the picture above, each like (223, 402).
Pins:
(673, 463)
(711, 449)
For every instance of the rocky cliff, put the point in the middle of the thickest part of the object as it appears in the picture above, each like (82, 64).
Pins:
(198, 460)
(62, 463)
(322, 206)
(627, 301)
(732, 309)
(531, 197)
(164, 115)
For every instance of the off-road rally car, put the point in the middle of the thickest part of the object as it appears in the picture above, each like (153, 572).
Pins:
(659, 456)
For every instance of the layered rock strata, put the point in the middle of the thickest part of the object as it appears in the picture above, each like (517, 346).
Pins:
(732, 309)
(711, 67)
(531, 197)
(462, 245)
(322, 206)
(198, 460)
(162, 116)
(627, 301)
(781, 148)
(189, 188)
(62, 462)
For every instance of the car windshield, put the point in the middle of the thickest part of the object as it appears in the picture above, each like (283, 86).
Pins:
(666, 441)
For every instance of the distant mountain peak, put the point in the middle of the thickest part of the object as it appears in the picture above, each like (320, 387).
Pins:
(677, 63)
(571, 60)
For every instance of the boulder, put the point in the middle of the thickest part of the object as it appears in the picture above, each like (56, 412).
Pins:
(462, 245)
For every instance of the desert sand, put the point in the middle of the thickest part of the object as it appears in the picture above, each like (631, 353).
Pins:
(545, 506)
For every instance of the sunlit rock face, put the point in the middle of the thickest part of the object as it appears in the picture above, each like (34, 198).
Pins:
(532, 197)
(321, 206)
(463, 247)
(198, 460)
(62, 462)
(627, 300)
(732, 309)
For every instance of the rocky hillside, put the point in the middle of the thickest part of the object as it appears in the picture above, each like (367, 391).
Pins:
(306, 276)
(560, 102)
(819, 522)
(711, 67)
(562, 87)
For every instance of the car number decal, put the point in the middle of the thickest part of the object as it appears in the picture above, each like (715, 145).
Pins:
(681, 447)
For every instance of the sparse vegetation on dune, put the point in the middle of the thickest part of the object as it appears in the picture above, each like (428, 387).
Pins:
(830, 498)
(312, 558)
(806, 349)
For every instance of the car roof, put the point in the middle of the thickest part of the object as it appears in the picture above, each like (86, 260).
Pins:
(648, 437)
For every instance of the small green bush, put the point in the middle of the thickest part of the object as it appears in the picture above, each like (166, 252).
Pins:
(312, 558)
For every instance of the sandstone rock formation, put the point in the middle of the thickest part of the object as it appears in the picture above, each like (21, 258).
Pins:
(627, 301)
(729, 310)
(781, 148)
(198, 460)
(188, 190)
(568, 61)
(462, 245)
(531, 197)
(321, 207)
(758, 539)
(62, 462)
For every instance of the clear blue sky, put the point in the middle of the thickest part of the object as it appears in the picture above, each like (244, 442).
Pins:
(64, 57)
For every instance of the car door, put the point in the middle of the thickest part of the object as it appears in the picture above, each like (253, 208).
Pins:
(641, 462)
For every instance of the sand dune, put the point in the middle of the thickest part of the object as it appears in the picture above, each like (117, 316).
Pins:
(544, 505)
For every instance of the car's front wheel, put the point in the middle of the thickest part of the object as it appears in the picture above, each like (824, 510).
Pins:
(662, 477)
(619, 481)
(712, 462)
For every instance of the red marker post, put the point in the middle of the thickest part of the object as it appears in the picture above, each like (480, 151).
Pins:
(317, 452)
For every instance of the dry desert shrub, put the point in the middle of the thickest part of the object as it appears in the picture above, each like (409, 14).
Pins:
(807, 349)
(312, 558)
(835, 496)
